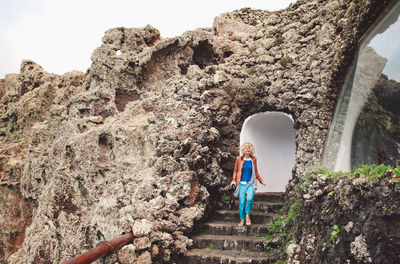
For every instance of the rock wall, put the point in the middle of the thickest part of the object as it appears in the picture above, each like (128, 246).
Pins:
(146, 138)
(348, 221)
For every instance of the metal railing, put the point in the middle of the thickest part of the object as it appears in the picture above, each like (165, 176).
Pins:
(102, 249)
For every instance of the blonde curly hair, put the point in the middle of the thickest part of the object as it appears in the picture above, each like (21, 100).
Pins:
(247, 146)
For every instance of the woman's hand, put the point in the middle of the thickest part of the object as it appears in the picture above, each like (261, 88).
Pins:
(263, 183)
(232, 187)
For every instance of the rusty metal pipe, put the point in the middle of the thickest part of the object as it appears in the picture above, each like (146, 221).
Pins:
(102, 249)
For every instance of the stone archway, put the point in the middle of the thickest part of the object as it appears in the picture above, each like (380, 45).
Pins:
(273, 136)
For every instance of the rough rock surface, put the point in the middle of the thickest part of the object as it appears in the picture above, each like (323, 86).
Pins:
(141, 140)
(348, 221)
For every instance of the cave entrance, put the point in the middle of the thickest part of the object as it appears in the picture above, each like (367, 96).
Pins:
(273, 136)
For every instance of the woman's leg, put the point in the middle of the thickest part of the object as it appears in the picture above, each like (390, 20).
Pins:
(249, 199)
(242, 198)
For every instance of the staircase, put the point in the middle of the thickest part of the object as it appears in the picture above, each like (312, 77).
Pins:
(222, 241)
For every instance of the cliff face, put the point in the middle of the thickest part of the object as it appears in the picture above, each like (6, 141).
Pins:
(348, 221)
(143, 138)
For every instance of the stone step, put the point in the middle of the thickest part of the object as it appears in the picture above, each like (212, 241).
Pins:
(233, 216)
(232, 229)
(270, 196)
(248, 243)
(223, 241)
(264, 196)
(262, 206)
(214, 256)
(272, 207)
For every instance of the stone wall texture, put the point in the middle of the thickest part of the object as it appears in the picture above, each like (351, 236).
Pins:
(147, 137)
(348, 221)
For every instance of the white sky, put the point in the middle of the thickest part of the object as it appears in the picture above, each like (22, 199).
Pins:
(387, 45)
(61, 35)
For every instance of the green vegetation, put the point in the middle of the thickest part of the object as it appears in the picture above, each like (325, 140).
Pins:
(335, 232)
(269, 249)
(284, 220)
(280, 224)
(371, 172)
(314, 170)
(396, 177)
(283, 209)
(210, 247)
(224, 198)
(397, 171)
(268, 237)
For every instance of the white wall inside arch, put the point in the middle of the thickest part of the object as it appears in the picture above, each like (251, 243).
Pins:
(273, 136)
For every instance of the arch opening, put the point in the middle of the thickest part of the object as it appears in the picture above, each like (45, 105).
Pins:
(273, 136)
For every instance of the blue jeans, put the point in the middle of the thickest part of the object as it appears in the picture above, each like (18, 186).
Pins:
(246, 194)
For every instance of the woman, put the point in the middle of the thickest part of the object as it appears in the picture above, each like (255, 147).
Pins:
(245, 175)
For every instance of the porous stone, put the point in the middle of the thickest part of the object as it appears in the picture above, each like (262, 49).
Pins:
(359, 250)
(127, 254)
(149, 132)
(348, 221)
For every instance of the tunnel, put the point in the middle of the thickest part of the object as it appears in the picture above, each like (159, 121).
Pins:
(273, 137)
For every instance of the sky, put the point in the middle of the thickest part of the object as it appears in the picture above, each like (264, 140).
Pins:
(387, 45)
(60, 35)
